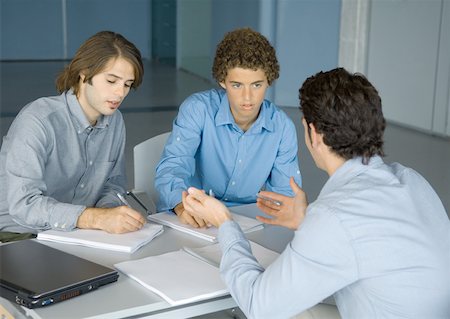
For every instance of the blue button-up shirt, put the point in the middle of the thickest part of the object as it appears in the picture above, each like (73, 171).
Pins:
(54, 164)
(377, 237)
(208, 150)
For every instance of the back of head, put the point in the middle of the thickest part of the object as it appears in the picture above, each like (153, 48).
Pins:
(247, 49)
(346, 109)
(93, 56)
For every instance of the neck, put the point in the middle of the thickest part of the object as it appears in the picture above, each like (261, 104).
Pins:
(331, 163)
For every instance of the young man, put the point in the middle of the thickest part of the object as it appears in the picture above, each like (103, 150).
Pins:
(377, 237)
(230, 142)
(62, 161)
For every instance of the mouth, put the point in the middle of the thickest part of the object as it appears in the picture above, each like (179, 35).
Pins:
(114, 104)
(247, 107)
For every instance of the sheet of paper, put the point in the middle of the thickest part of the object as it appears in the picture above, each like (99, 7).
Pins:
(128, 242)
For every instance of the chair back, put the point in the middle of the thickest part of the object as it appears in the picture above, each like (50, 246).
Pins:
(146, 156)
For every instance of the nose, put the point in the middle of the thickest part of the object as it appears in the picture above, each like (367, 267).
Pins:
(121, 91)
(247, 94)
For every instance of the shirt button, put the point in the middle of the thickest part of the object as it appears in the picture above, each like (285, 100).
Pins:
(225, 199)
(55, 225)
(63, 226)
(90, 162)
(233, 182)
(298, 172)
(240, 161)
(178, 139)
(82, 185)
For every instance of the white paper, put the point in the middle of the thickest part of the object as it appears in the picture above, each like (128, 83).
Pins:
(180, 277)
(171, 220)
(127, 242)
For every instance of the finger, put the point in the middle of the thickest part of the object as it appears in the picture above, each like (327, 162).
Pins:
(200, 221)
(193, 203)
(197, 194)
(267, 209)
(134, 214)
(189, 219)
(294, 186)
(265, 220)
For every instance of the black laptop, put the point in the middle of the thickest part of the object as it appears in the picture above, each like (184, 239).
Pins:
(35, 275)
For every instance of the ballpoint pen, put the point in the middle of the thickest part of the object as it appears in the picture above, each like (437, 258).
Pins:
(273, 201)
(123, 200)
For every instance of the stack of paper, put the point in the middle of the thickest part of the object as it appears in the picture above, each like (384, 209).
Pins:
(187, 275)
(171, 220)
(128, 242)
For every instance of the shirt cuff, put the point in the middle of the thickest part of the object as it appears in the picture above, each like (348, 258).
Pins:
(65, 216)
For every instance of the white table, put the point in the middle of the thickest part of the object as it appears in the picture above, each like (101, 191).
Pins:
(127, 298)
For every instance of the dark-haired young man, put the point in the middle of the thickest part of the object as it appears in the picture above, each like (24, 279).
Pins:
(377, 238)
(230, 142)
(62, 161)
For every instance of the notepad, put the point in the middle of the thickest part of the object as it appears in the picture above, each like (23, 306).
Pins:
(171, 220)
(187, 275)
(127, 242)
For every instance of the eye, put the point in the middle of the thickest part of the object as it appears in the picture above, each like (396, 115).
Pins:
(127, 85)
(236, 85)
(110, 81)
(257, 85)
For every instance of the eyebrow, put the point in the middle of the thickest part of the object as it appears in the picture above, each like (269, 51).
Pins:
(237, 82)
(118, 77)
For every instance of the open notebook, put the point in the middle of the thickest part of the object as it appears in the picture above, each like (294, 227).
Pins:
(128, 242)
(187, 275)
(169, 219)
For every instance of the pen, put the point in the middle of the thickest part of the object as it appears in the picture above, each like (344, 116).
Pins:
(139, 202)
(123, 200)
(273, 201)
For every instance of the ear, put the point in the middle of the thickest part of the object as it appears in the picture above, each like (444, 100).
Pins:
(316, 138)
(222, 84)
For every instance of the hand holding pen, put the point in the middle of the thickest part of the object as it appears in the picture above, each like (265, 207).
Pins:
(284, 210)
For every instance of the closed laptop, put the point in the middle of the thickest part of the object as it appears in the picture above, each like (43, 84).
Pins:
(35, 275)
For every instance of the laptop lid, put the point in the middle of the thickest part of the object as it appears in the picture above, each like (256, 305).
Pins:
(35, 275)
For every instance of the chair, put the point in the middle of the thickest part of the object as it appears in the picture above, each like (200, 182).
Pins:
(320, 311)
(146, 156)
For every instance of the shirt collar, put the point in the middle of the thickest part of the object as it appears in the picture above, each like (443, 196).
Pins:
(264, 120)
(77, 113)
(348, 171)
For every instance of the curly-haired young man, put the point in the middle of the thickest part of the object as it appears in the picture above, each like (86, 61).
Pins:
(62, 161)
(230, 141)
(377, 237)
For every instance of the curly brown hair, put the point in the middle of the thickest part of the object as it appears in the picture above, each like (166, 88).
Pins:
(248, 49)
(346, 109)
(93, 56)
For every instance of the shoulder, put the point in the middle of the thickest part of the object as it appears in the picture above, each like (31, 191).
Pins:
(203, 100)
(43, 107)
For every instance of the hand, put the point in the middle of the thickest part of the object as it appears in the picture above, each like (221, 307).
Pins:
(292, 211)
(117, 220)
(206, 207)
(186, 217)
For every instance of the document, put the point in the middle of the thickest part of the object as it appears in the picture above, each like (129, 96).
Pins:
(187, 275)
(171, 220)
(128, 242)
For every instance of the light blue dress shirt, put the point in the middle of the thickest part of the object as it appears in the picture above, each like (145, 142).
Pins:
(54, 164)
(208, 150)
(377, 238)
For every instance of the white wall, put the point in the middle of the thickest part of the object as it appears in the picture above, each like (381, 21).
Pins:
(404, 49)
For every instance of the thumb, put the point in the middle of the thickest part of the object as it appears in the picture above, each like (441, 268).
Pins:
(294, 186)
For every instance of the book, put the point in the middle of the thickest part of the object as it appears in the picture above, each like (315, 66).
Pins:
(169, 219)
(186, 275)
(127, 242)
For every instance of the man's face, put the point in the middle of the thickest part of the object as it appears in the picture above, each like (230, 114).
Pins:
(106, 90)
(246, 89)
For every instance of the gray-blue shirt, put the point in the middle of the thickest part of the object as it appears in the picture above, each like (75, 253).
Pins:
(54, 164)
(377, 238)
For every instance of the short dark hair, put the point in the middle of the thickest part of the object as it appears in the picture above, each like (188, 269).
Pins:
(247, 49)
(346, 109)
(93, 56)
